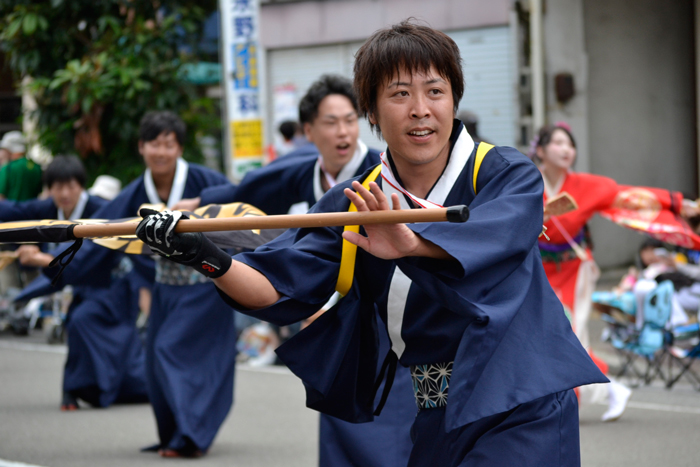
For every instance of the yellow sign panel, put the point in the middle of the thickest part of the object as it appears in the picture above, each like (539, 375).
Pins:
(247, 138)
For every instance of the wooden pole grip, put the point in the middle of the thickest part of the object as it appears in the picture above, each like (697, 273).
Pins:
(326, 219)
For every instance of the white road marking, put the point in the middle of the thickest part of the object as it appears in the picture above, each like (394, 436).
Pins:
(63, 350)
(274, 369)
(664, 408)
(4, 463)
(58, 349)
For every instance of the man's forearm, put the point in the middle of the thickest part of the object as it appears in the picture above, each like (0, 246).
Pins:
(247, 286)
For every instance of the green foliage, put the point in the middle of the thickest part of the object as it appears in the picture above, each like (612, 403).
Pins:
(98, 65)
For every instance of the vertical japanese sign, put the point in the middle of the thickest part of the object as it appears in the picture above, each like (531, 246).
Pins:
(242, 85)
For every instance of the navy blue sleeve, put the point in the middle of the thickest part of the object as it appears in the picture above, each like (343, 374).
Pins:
(211, 186)
(93, 205)
(34, 209)
(276, 187)
(219, 194)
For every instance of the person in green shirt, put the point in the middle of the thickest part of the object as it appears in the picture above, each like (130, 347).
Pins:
(20, 179)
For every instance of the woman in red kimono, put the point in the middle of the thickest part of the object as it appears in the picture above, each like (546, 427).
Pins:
(567, 257)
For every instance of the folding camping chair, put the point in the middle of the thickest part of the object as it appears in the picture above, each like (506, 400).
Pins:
(651, 341)
(618, 311)
(684, 356)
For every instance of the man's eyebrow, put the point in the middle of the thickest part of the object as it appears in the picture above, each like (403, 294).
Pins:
(335, 117)
(431, 81)
(435, 80)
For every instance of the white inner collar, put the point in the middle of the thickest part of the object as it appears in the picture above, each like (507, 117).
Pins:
(347, 172)
(176, 191)
(77, 210)
(400, 283)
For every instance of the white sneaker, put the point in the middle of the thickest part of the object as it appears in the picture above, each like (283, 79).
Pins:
(619, 394)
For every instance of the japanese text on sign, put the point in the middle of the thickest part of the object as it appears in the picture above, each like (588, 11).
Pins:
(247, 138)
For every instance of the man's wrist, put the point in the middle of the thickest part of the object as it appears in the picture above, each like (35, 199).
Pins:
(209, 260)
(427, 249)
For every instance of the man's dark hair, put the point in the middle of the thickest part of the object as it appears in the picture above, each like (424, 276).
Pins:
(325, 86)
(154, 123)
(405, 47)
(288, 128)
(64, 169)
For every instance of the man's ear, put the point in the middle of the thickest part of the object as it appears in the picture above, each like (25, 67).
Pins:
(372, 119)
(307, 131)
(141, 147)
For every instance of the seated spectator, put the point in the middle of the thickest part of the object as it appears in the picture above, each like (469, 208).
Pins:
(659, 264)
(4, 156)
(20, 179)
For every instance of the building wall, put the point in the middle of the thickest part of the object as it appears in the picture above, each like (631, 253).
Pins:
(565, 51)
(641, 103)
(488, 72)
(298, 24)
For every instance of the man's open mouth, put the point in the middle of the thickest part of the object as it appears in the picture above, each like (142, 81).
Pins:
(420, 132)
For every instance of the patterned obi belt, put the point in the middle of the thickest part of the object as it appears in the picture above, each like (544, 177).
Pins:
(171, 273)
(431, 384)
(562, 252)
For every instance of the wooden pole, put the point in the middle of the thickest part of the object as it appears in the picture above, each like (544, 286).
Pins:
(328, 219)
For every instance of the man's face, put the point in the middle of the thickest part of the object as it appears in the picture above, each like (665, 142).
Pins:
(334, 131)
(66, 194)
(415, 114)
(160, 154)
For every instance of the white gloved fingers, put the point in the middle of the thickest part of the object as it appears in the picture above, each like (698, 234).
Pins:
(158, 228)
(173, 218)
(149, 227)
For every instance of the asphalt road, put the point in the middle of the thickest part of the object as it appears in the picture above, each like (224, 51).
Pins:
(269, 425)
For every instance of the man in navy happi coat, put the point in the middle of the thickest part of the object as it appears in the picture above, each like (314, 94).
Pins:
(191, 336)
(105, 362)
(293, 184)
(466, 306)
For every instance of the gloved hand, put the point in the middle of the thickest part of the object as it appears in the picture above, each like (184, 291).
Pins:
(157, 230)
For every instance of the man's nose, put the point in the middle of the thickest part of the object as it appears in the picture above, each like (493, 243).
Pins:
(342, 128)
(419, 107)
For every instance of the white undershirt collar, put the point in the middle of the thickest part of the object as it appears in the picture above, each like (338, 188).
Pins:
(176, 191)
(400, 283)
(348, 171)
(77, 210)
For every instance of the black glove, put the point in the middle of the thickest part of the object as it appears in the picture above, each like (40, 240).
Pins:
(157, 230)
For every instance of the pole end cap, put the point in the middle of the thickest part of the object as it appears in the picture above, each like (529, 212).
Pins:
(457, 213)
